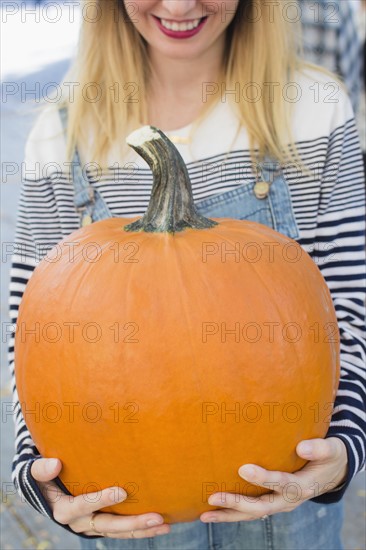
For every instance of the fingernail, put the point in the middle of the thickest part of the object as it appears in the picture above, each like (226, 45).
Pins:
(214, 500)
(211, 519)
(306, 449)
(248, 472)
(117, 494)
(162, 531)
(152, 522)
(51, 465)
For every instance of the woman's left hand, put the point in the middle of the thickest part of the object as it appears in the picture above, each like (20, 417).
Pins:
(326, 470)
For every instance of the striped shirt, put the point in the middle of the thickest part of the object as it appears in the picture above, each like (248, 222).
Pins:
(328, 202)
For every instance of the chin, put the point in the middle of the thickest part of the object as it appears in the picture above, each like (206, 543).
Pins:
(179, 51)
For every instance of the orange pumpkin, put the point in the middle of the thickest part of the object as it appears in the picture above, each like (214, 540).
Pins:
(160, 364)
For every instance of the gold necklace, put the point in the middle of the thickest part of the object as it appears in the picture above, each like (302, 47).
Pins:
(188, 141)
(179, 139)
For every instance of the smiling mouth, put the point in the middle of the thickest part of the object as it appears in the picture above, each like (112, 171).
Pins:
(180, 26)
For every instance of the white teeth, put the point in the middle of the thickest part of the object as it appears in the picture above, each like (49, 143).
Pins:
(180, 26)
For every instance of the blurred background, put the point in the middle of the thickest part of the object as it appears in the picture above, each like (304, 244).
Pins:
(38, 39)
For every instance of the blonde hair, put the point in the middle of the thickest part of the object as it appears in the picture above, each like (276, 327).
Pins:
(261, 53)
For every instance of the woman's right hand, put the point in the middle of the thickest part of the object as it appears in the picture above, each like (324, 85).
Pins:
(78, 512)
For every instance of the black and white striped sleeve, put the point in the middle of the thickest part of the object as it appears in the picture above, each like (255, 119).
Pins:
(24, 262)
(339, 251)
(25, 257)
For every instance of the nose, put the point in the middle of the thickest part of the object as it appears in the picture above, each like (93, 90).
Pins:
(179, 7)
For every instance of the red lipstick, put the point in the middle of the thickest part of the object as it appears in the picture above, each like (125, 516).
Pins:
(181, 34)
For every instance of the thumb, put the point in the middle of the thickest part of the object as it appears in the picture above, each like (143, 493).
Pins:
(45, 469)
(315, 449)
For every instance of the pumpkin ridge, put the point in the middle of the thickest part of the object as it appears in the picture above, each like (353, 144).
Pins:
(208, 443)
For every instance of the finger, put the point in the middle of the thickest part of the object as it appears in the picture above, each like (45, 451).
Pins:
(70, 508)
(226, 516)
(240, 503)
(273, 480)
(306, 483)
(45, 469)
(321, 450)
(141, 534)
(114, 526)
(111, 523)
(266, 505)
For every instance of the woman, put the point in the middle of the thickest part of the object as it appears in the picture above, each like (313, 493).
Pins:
(223, 80)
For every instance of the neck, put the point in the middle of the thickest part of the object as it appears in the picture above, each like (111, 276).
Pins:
(185, 78)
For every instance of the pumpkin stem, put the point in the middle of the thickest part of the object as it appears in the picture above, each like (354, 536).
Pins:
(171, 207)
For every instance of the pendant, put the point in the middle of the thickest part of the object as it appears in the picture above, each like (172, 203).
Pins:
(87, 220)
(261, 189)
(179, 139)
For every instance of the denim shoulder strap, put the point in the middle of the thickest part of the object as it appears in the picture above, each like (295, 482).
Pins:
(263, 198)
(88, 201)
(279, 197)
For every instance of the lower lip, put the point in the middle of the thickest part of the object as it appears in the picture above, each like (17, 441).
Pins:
(180, 34)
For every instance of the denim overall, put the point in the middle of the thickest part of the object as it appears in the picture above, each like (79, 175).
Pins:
(311, 526)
